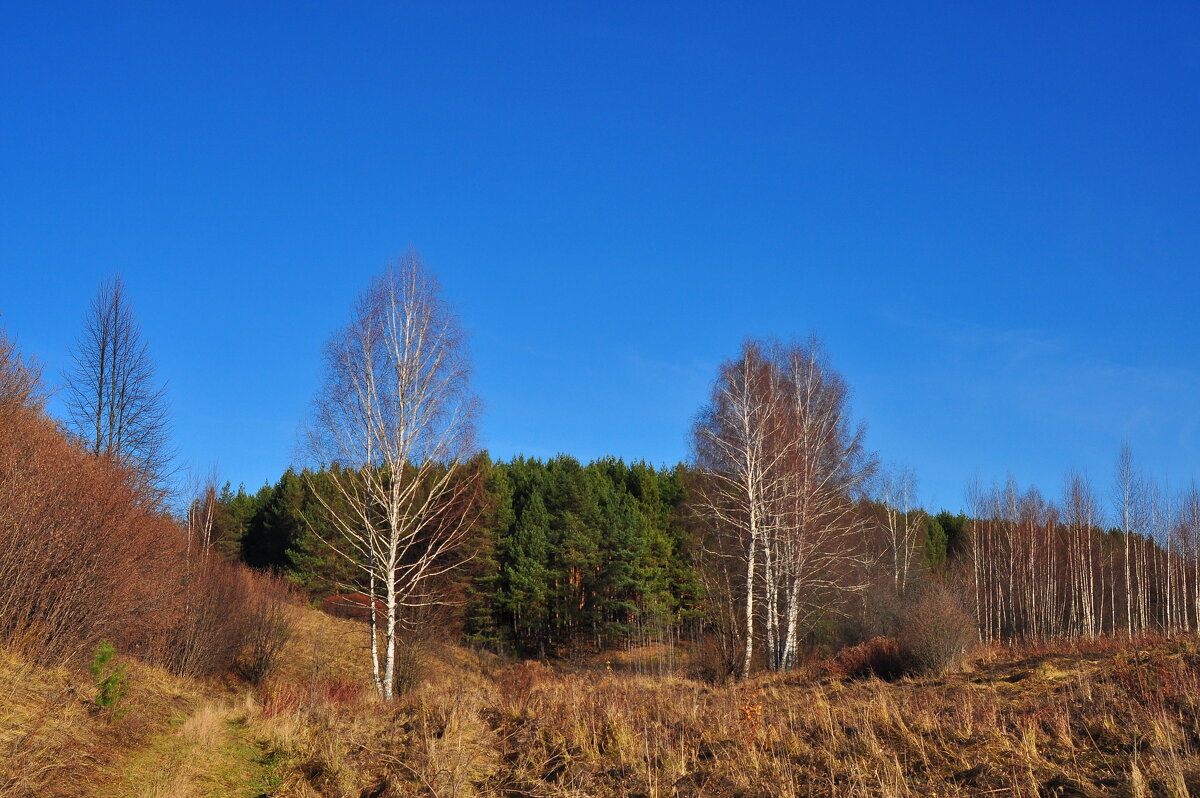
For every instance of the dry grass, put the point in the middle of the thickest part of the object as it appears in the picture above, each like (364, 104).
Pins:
(1018, 723)
(44, 728)
(54, 740)
(1088, 720)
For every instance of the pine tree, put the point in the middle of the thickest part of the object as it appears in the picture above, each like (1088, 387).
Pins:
(482, 625)
(526, 577)
(935, 544)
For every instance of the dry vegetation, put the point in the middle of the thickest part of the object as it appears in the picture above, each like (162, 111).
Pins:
(1080, 722)
(1103, 719)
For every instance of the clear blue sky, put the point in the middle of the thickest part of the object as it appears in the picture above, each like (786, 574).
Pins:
(990, 212)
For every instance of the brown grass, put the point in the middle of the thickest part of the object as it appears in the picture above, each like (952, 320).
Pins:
(55, 741)
(1105, 723)
(1078, 720)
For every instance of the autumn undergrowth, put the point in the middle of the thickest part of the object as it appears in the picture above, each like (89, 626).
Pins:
(1075, 720)
(1091, 718)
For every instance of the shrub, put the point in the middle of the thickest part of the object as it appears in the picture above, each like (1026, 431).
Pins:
(879, 656)
(290, 697)
(267, 630)
(354, 606)
(90, 561)
(211, 623)
(712, 657)
(938, 633)
(85, 554)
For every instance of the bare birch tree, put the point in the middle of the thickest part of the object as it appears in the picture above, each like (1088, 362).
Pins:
(1082, 516)
(393, 424)
(115, 406)
(200, 515)
(825, 468)
(1126, 492)
(1188, 533)
(903, 524)
(732, 438)
(780, 466)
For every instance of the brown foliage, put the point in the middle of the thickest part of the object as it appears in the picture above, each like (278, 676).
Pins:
(353, 606)
(268, 630)
(210, 619)
(87, 554)
(938, 633)
(287, 697)
(20, 377)
(879, 656)
(82, 553)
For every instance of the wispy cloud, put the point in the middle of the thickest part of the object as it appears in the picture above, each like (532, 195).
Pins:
(1045, 377)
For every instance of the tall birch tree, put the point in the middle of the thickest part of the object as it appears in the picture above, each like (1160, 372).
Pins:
(733, 440)
(781, 466)
(393, 425)
(825, 469)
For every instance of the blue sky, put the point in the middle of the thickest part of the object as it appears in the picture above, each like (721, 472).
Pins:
(990, 212)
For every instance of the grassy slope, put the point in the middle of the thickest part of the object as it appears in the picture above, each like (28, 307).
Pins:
(1099, 722)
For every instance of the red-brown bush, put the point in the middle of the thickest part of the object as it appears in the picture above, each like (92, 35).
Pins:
(938, 632)
(86, 554)
(83, 554)
(287, 697)
(879, 656)
(268, 627)
(209, 622)
(353, 606)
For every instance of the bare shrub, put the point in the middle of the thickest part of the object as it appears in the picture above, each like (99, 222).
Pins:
(879, 656)
(716, 647)
(516, 689)
(20, 377)
(268, 627)
(212, 621)
(712, 658)
(880, 615)
(88, 554)
(84, 552)
(353, 606)
(938, 633)
(291, 697)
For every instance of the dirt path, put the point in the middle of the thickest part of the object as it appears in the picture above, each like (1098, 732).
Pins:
(210, 753)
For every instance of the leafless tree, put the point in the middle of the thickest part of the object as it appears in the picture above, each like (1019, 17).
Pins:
(735, 441)
(1082, 518)
(115, 406)
(903, 524)
(780, 466)
(200, 515)
(1187, 525)
(1126, 496)
(1044, 572)
(826, 467)
(393, 425)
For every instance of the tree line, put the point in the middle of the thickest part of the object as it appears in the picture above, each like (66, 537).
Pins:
(1124, 564)
(782, 531)
(561, 554)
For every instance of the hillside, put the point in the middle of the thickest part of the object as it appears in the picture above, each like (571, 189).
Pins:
(1079, 722)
